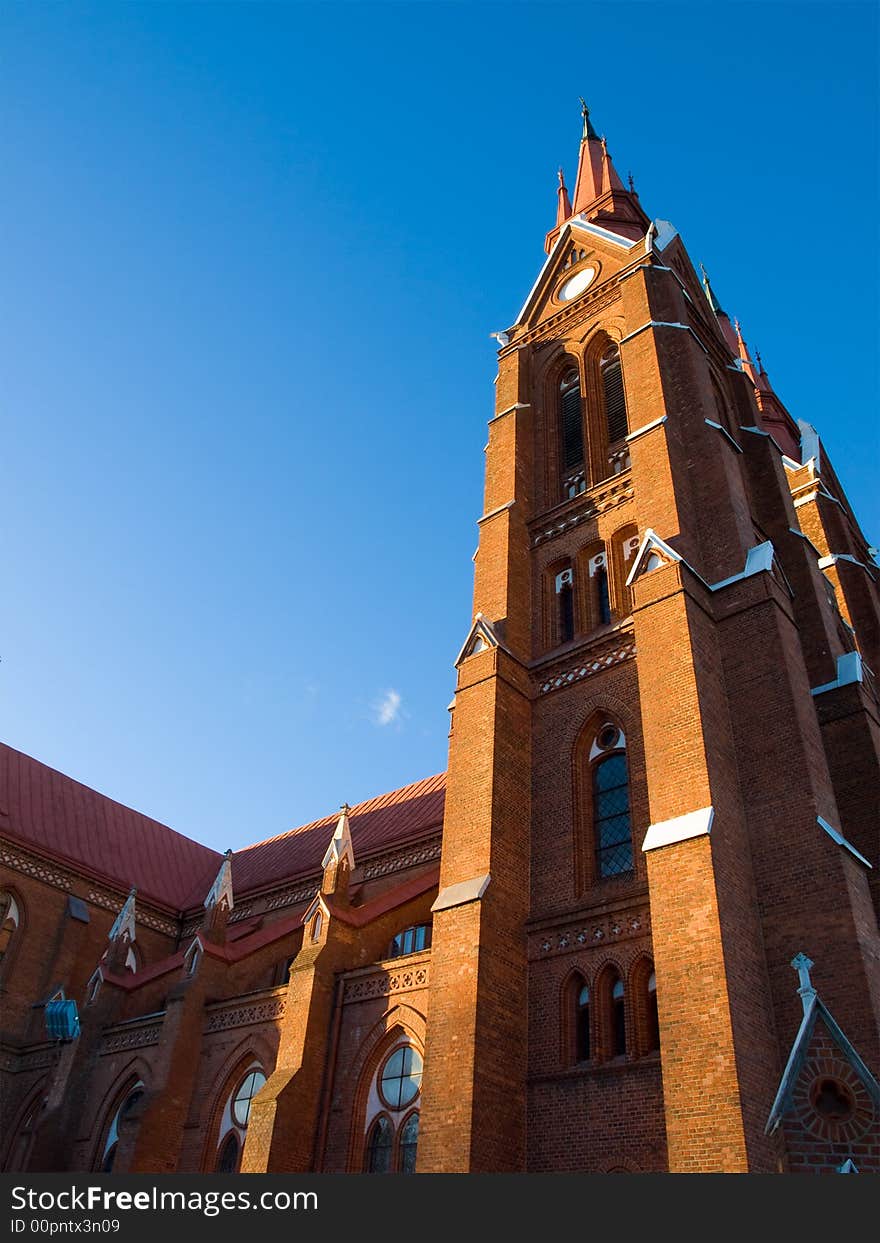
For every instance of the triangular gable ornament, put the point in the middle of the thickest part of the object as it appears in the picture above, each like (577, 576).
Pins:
(653, 553)
(481, 635)
(814, 1009)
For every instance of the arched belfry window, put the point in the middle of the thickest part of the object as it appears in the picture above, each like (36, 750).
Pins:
(571, 425)
(582, 1024)
(612, 827)
(613, 394)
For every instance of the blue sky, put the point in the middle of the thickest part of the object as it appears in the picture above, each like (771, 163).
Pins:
(252, 255)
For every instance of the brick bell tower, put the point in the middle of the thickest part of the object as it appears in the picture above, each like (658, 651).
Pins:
(660, 710)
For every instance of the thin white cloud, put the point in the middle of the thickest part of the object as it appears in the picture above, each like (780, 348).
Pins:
(387, 710)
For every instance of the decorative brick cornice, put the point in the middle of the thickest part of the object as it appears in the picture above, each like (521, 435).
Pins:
(33, 865)
(385, 983)
(14, 1062)
(427, 852)
(586, 933)
(583, 308)
(604, 496)
(130, 1037)
(587, 666)
(265, 1007)
(66, 879)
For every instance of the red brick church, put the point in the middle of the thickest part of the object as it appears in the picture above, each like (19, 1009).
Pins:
(633, 928)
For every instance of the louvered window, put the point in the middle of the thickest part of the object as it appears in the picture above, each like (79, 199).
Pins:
(571, 422)
(615, 402)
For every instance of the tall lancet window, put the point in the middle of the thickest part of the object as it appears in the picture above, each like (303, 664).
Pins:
(571, 427)
(611, 812)
(612, 389)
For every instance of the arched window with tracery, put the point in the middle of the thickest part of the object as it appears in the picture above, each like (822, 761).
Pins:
(408, 1144)
(612, 827)
(19, 1152)
(392, 1115)
(235, 1117)
(380, 1143)
(110, 1147)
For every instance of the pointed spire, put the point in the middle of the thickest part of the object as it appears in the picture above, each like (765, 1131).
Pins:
(124, 924)
(220, 893)
(743, 354)
(563, 203)
(762, 381)
(596, 175)
(338, 861)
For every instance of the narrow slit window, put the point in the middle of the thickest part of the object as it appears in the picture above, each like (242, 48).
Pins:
(603, 600)
(618, 1019)
(582, 1025)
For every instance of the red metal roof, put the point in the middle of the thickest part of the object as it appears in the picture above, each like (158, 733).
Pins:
(377, 824)
(58, 816)
(71, 822)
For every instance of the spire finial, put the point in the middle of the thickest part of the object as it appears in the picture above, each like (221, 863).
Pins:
(713, 301)
(760, 362)
(563, 202)
(632, 184)
(802, 966)
(589, 132)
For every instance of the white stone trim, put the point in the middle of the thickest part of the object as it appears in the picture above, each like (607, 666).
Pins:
(679, 829)
(646, 427)
(517, 405)
(461, 893)
(797, 531)
(838, 837)
(493, 513)
(758, 559)
(724, 432)
(665, 232)
(586, 226)
(834, 557)
(650, 541)
(849, 670)
(661, 323)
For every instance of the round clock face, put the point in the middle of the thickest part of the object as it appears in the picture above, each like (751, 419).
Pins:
(576, 284)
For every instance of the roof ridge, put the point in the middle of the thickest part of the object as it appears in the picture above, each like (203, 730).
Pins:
(108, 798)
(358, 809)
